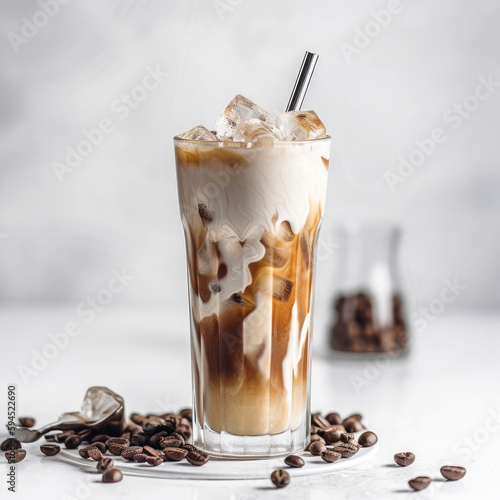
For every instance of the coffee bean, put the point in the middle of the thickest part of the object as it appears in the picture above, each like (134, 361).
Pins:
(155, 418)
(101, 438)
(178, 436)
(154, 440)
(355, 416)
(27, 421)
(138, 419)
(173, 420)
(404, 459)
(117, 440)
(112, 476)
(139, 439)
(294, 461)
(319, 421)
(316, 448)
(117, 445)
(334, 418)
(184, 431)
(420, 482)
(280, 478)
(14, 456)
(330, 456)
(85, 434)
(140, 457)
(100, 446)
(367, 439)
(353, 425)
(317, 437)
(337, 428)
(197, 457)
(170, 442)
(154, 461)
(176, 454)
(50, 437)
(116, 449)
(186, 421)
(187, 413)
(148, 450)
(50, 449)
(104, 464)
(94, 454)
(133, 428)
(62, 436)
(314, 429)
(332, 436)
(84, 452)
(126, 435)
(151, 427)
(10, 444)
(453, 472)
(72, 442)
(346, 450)
(347, 437)
(131, 451)
(189, 447)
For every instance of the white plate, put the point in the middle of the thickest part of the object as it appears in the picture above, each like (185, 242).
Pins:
(224, 469)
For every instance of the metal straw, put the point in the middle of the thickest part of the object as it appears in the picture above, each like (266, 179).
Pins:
(302, 82)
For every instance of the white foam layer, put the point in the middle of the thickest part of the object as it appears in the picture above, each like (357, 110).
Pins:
(269, 186)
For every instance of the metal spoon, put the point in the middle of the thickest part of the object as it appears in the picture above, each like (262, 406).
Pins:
(102, 410)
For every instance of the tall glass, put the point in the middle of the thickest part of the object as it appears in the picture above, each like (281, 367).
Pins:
(251, 214)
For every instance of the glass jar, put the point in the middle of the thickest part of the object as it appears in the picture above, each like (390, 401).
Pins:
(367, 308)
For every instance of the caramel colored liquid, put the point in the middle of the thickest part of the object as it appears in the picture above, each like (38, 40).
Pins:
(251, 280)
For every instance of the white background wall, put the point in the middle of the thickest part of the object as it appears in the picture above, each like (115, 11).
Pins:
(60, 239)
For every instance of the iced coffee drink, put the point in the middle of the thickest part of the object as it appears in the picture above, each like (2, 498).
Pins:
(252, 195)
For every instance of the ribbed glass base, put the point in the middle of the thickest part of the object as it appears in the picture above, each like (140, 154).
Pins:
(229, 446)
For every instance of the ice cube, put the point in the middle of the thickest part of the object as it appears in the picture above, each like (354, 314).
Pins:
(238, 109)
(300, 125)
(255, 130)
(279, 288)
(199, 133)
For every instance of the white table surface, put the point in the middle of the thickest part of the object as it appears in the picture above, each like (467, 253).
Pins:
(442, 403)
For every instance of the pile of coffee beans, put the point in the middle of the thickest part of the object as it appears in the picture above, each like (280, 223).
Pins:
(151, 439)
(155, 439)
(332, 438)
(450, 472)
(355, 330)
